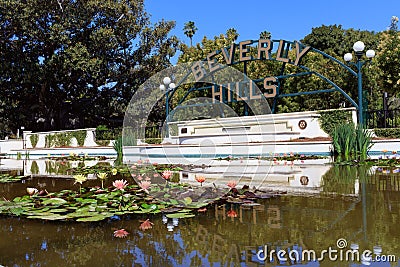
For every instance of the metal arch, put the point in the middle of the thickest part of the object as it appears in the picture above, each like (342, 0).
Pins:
(308, 72)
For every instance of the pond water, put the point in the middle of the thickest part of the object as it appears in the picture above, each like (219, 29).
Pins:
(358, 206)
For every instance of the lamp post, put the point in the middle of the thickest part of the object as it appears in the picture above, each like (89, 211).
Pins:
(23, 138)
(168, 87)
(358, 48)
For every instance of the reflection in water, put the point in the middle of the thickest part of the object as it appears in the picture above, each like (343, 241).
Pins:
(360, 205)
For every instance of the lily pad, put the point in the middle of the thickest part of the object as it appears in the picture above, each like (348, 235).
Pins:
(50, 217)
(180, 215)
(54, 201)
(96, 218)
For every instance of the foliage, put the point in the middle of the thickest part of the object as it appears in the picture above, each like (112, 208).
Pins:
(102, 142)
(34, 140)
(80, 136)
(351, 141)
(118, 148)
(388, 61)
(387, 132)
(75, 63)
(104, 133)
(62, 139)
(189, 30)
(329, 119)
(8, 178)
(34, 167)
(153, 140)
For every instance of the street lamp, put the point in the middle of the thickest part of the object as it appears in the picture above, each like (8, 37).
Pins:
(23, 138)
(168, 87)
(358, 48)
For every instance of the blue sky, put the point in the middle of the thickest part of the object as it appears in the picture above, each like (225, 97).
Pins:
(289, 20)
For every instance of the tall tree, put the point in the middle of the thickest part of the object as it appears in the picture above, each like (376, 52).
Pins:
(76, 61)
(189, 30)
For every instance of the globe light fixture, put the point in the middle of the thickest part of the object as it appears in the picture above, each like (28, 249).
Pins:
(167, 80)
(370, 53)
(348, 56)
(167, 86)
(358, 48)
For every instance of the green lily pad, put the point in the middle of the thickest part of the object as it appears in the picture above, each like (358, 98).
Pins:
(96, 218)
(54, 201)
(50, 217)
(180, 215)
(59, 210)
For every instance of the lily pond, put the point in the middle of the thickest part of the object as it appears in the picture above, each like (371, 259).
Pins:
(243, 212)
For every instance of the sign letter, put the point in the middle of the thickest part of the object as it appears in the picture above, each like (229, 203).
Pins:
(270, 86)
(301, 54)
(229, 60)
(264, 47)
(243, 50)
(198, 71)
(212, 61)
(280, 50)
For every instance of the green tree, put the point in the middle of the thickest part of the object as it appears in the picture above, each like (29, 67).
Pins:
(189, 30)
(76, 61)
(388, 61)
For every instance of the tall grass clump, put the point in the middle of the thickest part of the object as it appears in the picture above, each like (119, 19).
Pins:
(118, 148)
(350, 141)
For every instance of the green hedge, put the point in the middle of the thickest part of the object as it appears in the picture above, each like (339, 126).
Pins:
(332, 118)
(153, 140)
(80, 137)
(387, 132)
(34, 140)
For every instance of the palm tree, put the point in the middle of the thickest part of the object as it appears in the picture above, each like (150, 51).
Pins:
(265, 35)
(189, 30)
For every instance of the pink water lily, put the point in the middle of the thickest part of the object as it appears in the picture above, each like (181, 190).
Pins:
(120, 184)
(232, 184)
(146, 225)
(166, 174)
(145, 185)
(121, 233)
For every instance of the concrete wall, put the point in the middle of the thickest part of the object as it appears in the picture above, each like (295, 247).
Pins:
(7, 145)
(262, 128)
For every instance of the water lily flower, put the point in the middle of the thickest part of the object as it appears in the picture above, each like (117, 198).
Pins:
(200, 179)
(166, 174)
(121, 233)
(31, 191)
(232, 184)
(102, 176)
(232, 214)
(394, 152)
(145, 185)
(120, 184)
(202, 210)
(146, 225)
(80, 178)
(114, 171)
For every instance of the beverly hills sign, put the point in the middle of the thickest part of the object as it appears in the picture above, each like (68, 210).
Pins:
(245, 90)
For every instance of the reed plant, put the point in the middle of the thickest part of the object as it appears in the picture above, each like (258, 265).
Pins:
(350, 141)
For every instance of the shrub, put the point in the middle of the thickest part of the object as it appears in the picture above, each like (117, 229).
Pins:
(387, 132)
(34, 139)
(153, 140)
(329, 119)
(80, 137)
